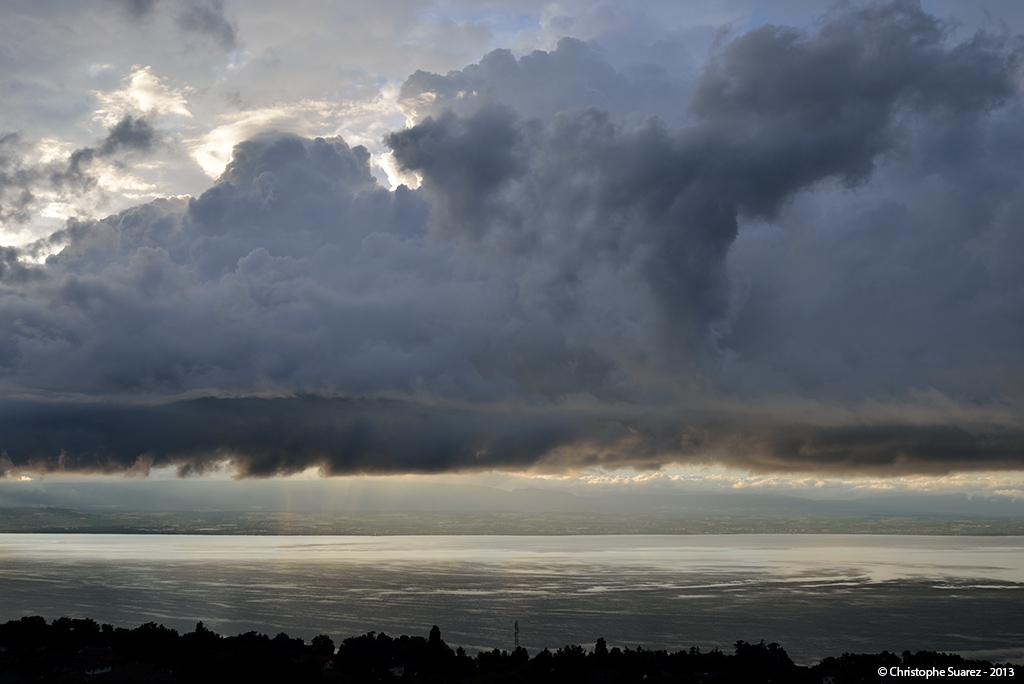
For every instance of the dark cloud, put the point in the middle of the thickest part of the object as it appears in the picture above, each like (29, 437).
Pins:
(813, 265)
(206, 18)
(468, 162)
(777, 111)
(201, 18)
(21, 182)
(127, 135)
(295, 272)
(16, 181)
(137, 8)
(264, 437)
(904, 282)
(886, 448)
(12, 268)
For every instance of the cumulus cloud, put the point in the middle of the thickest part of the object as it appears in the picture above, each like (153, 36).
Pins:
(775, 112)
(586, 276)
(540, 84)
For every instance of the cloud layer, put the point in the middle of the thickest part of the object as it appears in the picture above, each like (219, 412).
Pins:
(799, 259)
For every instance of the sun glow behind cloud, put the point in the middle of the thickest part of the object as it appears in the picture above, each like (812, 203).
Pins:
(142, 92)
(358, 122)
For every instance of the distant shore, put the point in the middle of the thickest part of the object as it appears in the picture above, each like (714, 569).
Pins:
(43, 520)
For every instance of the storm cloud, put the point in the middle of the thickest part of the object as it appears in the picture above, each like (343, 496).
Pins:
(801, 258)
(262, 437)
(776, 112)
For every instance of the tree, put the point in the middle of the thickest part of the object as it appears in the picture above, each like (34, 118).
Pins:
(322, 645)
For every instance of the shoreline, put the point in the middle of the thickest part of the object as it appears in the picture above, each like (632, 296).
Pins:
(53, 520)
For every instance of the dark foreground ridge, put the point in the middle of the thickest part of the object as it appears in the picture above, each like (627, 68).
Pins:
(80, 650)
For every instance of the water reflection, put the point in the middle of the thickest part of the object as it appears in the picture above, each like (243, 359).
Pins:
(817, 595)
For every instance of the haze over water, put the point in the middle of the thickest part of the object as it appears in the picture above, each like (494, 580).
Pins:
(816, 595)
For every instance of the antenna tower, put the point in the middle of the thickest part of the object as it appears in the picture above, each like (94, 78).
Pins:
(516, 632)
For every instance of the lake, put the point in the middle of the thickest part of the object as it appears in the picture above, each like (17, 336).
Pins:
(816, 595)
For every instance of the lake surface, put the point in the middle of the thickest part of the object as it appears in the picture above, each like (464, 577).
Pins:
(816, 595)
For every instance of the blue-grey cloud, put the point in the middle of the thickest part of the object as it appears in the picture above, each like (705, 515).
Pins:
(776, 111)
(206, 18)
(575, 75)
(136, 8)
(202, 18)
(16, 181)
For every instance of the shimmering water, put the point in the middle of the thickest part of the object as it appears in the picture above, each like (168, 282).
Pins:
(817, 595)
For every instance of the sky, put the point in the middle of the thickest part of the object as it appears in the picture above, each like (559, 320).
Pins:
(687, 244)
